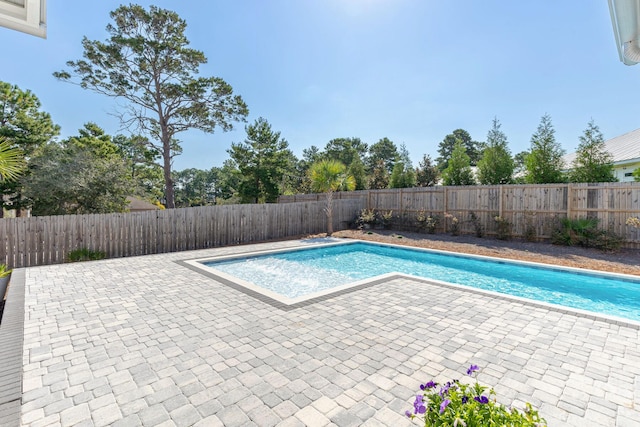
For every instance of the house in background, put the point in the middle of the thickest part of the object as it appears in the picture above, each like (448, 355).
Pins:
(139, 205)
(625, 150)
(28, 16)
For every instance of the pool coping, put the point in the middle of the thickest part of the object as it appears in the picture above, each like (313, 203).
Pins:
(11, 347)
(286, 304)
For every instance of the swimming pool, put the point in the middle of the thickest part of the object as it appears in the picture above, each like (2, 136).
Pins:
(295, 275)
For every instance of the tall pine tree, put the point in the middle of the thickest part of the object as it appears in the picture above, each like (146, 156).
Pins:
(379, 176)
(544, 162)
(147, 62)
(427, 173)
(446, 147)
(593, 163)
(263, 159)
(496, 164)
(384, 150)
(403, 175)
(459, 170)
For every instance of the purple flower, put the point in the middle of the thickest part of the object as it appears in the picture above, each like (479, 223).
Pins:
(408, 413)
(418, 405)
(444, 405)
(430, 384)
(472, 369)
(445, 388)
(465, 399)
(481, 399)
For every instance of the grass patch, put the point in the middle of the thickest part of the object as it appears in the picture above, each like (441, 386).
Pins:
(84, 254)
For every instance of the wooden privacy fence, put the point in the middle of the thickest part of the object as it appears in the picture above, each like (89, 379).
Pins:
(31, 241)
(533, 207)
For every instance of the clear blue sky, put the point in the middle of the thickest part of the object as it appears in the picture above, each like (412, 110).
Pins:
(409, 70)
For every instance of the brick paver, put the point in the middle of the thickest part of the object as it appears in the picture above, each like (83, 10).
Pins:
(146, 341)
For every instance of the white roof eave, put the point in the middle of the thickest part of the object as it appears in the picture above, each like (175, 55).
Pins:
(625, 20)
(626, 162)
(28, 16)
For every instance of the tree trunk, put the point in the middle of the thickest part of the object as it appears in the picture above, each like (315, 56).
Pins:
(168, 182)
(329, 210)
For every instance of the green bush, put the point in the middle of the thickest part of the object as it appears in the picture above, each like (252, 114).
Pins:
(608, 240)
(563, 235)
(4, 271)
(367, 217)
(428, 222)
(454, 224)
(421, 219)
(457, 404)
(477, 225)
(386, 217)
(585, 232)
(503, 228)
(84, 254)
(530, 233)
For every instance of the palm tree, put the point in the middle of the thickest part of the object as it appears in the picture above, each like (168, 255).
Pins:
(11, 161)
(328, 176)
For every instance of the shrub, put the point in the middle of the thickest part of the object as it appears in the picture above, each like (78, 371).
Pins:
(4, 272)
(386, 218)
(585, 232)
(454, 224)
(503, 228)
(432, 223)
(633, 222)
(426, 222)
(563, 235)
(579, 231)
(608, 240)
(477, 226)
(421, 219)
(367, 217)
(84, 254)
(458, 404)
(530, 233)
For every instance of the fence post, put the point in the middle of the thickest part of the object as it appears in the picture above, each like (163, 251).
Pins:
(500, 189)
(569, 189)
(446, 200)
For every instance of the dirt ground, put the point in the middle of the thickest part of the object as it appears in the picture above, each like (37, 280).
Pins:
(625, 261)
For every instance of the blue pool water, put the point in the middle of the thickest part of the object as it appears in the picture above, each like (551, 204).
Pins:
(301, 272)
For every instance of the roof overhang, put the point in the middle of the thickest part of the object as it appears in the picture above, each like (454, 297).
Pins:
(28, 16)
(627, 162)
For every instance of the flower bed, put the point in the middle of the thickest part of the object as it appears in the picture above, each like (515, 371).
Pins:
(463, 405)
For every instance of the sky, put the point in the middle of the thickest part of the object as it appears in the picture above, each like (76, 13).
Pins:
(409, 70)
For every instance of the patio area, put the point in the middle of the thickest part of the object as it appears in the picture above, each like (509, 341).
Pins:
(147, 341)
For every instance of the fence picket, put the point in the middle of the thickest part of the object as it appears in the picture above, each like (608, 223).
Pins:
(31, 241)
(26, 242)
(538, 207)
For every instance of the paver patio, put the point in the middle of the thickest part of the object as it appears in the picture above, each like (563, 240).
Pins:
(147, 341)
